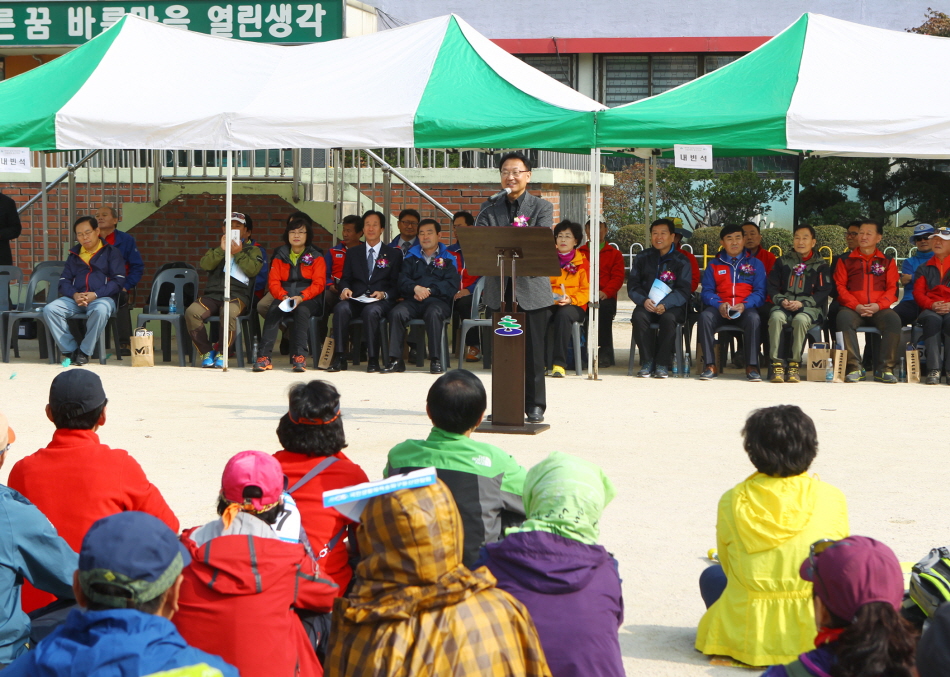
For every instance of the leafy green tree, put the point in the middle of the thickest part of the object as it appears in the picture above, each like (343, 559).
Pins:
(623, 201)
(703, 198)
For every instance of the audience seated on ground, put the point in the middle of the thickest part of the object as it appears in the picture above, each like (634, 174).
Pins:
(485, 481)
(867, 288)
(611, 278)
(857, 587)
(237, 596)
(571, 291)
(90, 285)
(311, 433)
(30, 549)
(130, 572)
(247, 259)
(798, 284)
(932, 294)
(298, 274)
(552, 563)
(416, 611)
(666, 268)
(933, 652)
(733, 287)
(428, 282)
(759, 610)
(76, 479)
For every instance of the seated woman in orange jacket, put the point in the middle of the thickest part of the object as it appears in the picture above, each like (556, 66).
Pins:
(298, 274)
(571, 293)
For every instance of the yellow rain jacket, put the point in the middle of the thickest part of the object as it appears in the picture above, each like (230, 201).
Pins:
(576, 284)
(764, 529)
(416, 611)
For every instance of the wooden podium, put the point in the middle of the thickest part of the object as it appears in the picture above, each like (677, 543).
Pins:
(509, 252)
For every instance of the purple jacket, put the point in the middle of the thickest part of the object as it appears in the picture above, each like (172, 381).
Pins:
(817, 662)
(572, 591)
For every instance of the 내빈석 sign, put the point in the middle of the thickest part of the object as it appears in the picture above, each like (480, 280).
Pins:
(35, 24)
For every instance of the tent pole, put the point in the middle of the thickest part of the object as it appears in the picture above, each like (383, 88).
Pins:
(795, 188)
(593, 327)
(45, 208)
(225, 324)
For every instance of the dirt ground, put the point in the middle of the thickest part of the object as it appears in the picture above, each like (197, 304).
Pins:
(671, 448)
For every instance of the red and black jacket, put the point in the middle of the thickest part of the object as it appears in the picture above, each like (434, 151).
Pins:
(612, 271)
(862, 280)
(933, 283)
(306, 278)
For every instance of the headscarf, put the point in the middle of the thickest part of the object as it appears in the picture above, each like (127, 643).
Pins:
(565, 259)
(566, 495)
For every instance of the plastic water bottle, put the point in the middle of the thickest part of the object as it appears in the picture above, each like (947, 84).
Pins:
(829, 373)
(676, 368)
(689, 361)
(172, 306)
(902, 371)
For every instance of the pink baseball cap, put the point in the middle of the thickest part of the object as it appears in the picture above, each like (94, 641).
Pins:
(253, 469)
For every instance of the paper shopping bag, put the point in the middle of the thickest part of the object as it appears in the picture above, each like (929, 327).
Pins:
(819, 359)
(326, 355)
(839, 364)
(913, 364)
(142, 343)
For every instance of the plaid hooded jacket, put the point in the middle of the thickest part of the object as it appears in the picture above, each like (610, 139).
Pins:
(416, 611)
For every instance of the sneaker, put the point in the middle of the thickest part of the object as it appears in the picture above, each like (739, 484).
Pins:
(472, 354)
(854, 376)
(647, 370)
(263, 364)
(709, 373)
(752, 375)
(933, 378)
(219, 361)
(300, 363)
(207, 359)
(558, 372)
(792, 374)
(661, 372)
(778, 372)
(886, 376)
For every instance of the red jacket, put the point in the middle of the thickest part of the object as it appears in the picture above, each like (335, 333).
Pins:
(75, 481)
(933, 283)
(858, 285)
(612, 273)
(335, 257)
(694, 264)
(322, 524)
(767, 258)
(236, 602)
(285, 278)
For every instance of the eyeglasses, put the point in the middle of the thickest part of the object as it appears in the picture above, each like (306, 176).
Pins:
(408, 222)
(921, 238)
(516, 173)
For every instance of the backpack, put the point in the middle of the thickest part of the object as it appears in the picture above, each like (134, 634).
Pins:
(930, 581)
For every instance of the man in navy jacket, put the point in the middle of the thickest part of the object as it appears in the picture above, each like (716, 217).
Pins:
(108, 219)
(90, 285)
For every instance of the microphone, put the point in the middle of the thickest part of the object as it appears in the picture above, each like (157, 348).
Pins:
(498, 196)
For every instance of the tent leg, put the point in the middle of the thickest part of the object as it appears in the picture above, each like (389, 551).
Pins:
(593, 326)
(225, 325)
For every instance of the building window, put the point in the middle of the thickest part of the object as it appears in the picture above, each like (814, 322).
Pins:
(561, 67)
(626, 79)
(671, 71)
(716, 62)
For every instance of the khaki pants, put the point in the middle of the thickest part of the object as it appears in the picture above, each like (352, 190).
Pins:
(264, 304)
(198, 313)
(801, 322)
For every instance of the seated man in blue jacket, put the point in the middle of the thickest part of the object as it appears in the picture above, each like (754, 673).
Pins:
(30, 549)
(427, 283)
(90, 285)
(108, 219)
(659, 283)
(128, 579)
(733, 284)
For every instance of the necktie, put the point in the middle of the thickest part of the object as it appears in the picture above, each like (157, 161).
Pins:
(406, 246)
(370, 262)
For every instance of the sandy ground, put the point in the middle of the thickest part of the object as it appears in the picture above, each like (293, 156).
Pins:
(671, 447)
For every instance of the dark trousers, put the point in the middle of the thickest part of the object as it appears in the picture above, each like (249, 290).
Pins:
(123, 318)
(908, 311)
(656, 348)
(605, 331)
(712, 583)
(886, 321)
(372, 315)
(710, 320)
(299, 336)
(330, 299)
(562, 321)
(463, 311)
(535, 329)
(432, 310)
(936, 327)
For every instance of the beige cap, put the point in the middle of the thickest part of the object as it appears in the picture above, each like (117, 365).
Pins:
(6, 432)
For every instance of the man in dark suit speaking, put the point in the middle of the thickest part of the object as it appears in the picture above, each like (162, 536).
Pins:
(521, 208)
(368, 289)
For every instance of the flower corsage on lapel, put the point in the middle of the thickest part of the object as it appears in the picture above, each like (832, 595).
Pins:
(570, 269)
(382, 263)
(438, 263)
(668, 277)
(520, 221)
(307, 259)
(799, 270)
(747, 269)
(877, 269)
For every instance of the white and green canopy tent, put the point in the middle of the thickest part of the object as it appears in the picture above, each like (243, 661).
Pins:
(823, 86)
(433, 84)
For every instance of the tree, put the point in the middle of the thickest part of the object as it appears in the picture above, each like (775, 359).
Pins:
(623, 201)
(703, 198)
(936, 23)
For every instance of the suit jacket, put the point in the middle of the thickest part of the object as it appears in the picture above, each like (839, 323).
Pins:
(356, 277)
(533, 292)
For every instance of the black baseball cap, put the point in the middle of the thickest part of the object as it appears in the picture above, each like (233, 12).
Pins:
(78, 387)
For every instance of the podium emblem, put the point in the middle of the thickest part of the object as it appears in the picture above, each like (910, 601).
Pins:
(508, 326)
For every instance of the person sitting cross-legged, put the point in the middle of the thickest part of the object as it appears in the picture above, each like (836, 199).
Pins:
(92, 279)
(486, 482)
(733, 287)
(428, 282)
(932, 294)
(799, 284)
(867, 288)
(128, 582)
(660, 283)
(571, 291)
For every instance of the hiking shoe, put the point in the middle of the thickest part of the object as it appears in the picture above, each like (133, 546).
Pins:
(472, 354)
(661, 372)
(792, 373)
(933, 377)
(778, 372)
(752, 375)
(558, 372)
(219, 361)
(647, 370)
(207, 359)
(263, 364)
(709, 373)
(300, 363)
(854, 376)
(886, 376)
